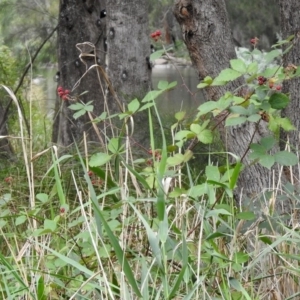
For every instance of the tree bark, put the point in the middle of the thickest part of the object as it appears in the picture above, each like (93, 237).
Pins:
(290, 25)
(207, 35)
(128, 59)
(79, 22)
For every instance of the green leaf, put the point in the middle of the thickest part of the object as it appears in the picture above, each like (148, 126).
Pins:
(42, 197)
(205, 136)
(233, 121)
(113, 145)
(163, 85)
(197, 190)
(236, 285)
(50, 225)
(179, 116)
(99, 159)
(172, 85)
(134, 105)
(285, 123)
(202, 85)
(212, 173)
(227, 75)
(20, 220)
(195, 128)
(89, 107)
(79, 113)
(252, 68)
(238, 65)
(267, 161)
(245, 215)
(175, 160)
(207, 107)
(157, 54)
(76, 106)
(268, 142)
(187, 155)
(182, 134)
(152, 95)
(286, 158)
(238, 109)
(279, 101)
(254, 118)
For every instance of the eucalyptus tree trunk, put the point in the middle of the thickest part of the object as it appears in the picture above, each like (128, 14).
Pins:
(128, 49)
(207, 35)
(79, 22)
(290, 25)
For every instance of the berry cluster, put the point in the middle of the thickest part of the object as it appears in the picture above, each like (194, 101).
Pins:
(261, 80)
(254, 41)
(64, 94)
(157, 157)
(95, 180)
(156, 35)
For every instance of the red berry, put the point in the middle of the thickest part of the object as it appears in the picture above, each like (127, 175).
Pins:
(67, 92)
(65, 97)
(278, 87)
(61, 93)
(60, 89)
(62, 210)
(158, 33)
(90, 173)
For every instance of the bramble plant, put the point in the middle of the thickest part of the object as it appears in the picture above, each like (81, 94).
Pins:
(105, 225)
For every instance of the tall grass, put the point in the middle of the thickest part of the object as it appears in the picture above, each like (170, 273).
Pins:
(104, 226)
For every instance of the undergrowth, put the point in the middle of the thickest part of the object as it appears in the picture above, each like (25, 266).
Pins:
(83, 225)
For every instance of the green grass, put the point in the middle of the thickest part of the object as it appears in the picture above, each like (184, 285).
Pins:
(103, 226)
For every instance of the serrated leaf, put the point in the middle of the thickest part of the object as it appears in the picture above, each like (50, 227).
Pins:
(235, 121)
(238, 65)
(207, 107)
(227, 75)
(163, 85)
(99, 159)
(286, 158)
(89, 107)
(205, 136)
(279, 101)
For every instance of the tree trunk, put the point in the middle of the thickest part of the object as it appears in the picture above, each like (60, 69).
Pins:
(128, 59)
(79, 22)
(290, 25)
(207, 35)
(6, 150)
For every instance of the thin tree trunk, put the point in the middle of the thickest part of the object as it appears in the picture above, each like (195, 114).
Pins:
(207, 35)
(290, 24)
(79, 22)
(128, 51)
